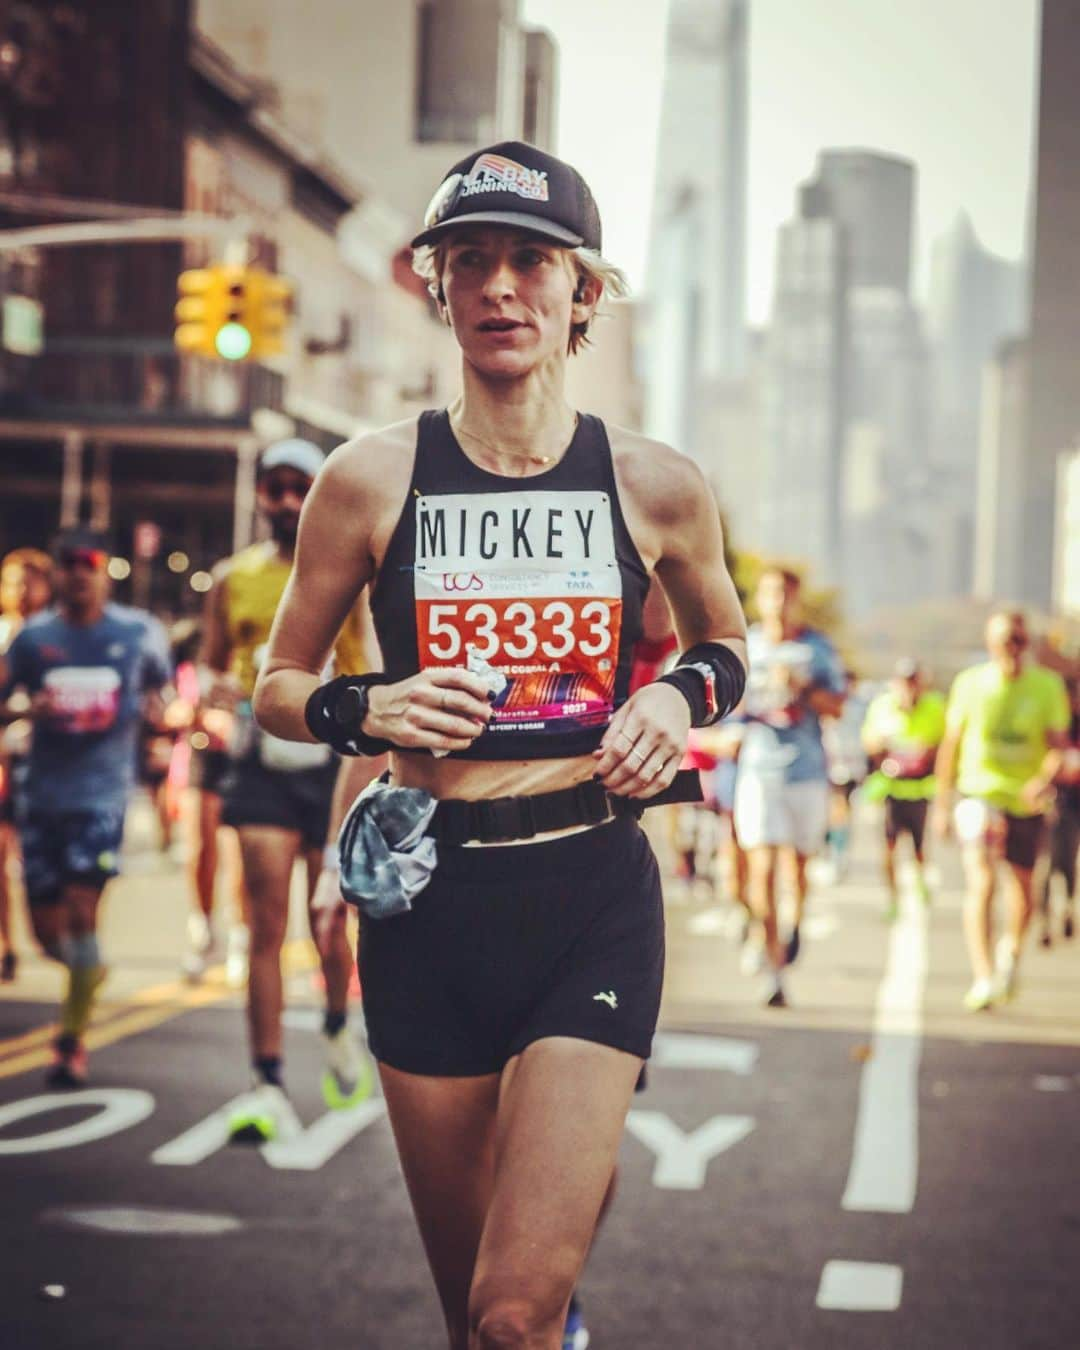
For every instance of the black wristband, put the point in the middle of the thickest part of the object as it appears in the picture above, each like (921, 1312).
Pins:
(335, 711)
(728, 677)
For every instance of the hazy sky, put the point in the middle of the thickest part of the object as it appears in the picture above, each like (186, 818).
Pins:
(947, 83)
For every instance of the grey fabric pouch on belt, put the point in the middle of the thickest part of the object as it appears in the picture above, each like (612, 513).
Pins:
(386, 856)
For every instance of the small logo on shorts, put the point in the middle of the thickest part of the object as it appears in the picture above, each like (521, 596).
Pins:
(608, 998)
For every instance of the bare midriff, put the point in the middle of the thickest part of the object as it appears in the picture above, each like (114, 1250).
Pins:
(476, 779)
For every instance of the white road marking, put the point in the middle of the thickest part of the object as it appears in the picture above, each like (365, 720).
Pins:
(682, 1159)
(120, 1109)
(860, 1286)
(1049, 1082)
(884, 1171)
(312, 1148)
(198, 1143)
(678, 1050)
(145, 1222)
(316, 1145)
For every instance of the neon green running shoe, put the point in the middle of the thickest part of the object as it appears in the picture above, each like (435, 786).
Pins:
(263, 1115)
(348, 1074)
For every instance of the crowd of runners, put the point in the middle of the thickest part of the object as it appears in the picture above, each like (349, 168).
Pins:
(470, 772)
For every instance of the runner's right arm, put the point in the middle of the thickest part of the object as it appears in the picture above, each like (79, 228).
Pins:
(218, 689)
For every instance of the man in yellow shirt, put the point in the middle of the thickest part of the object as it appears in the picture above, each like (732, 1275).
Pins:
(901, 733)
(277, 794)
(1006, 727)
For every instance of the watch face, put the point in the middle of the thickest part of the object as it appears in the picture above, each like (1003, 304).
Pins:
(350, 707)
(709, 676)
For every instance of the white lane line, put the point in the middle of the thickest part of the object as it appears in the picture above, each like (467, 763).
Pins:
(1051, 1082)
(860, 1286)
(884, 1171)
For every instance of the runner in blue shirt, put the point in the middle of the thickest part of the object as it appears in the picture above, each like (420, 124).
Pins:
(87, 667)
(782, 786)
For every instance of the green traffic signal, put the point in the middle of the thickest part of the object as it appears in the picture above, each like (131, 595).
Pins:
(232, 341)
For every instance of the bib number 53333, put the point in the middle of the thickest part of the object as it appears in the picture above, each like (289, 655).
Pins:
(517, 630)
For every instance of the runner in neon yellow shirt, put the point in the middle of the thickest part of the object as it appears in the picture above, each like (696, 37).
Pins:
(903, 728)
(1006, 728)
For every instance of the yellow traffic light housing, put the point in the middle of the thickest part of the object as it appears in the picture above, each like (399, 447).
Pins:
(231, 312)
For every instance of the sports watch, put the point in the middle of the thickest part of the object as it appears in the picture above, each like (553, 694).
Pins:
(351, 706)
(708, 676)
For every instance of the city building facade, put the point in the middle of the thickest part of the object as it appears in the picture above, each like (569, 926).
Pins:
(696, 279)
(1054, 400)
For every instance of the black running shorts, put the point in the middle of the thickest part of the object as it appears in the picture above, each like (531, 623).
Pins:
(293, 799)
(508, 945)
(207, 769)
(905, 816)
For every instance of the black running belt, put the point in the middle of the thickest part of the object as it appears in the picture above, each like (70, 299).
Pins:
(501, 819)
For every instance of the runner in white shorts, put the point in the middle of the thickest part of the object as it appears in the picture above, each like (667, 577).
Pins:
(782, 788)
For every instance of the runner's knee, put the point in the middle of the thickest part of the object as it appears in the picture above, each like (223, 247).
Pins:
(509, 1321)
(269, 922)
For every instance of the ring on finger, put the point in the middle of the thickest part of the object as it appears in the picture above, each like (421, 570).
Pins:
(656, 769)
(634, 753)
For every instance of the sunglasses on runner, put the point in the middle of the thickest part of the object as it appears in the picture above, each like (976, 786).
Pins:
(278, 491)
(95, 559)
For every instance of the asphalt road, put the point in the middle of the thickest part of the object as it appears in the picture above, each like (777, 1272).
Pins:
(872, 1168)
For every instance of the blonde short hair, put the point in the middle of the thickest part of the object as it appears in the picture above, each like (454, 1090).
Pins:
(430, 259)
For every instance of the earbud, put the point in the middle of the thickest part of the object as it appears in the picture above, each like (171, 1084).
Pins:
(440, 295)
(579, 294)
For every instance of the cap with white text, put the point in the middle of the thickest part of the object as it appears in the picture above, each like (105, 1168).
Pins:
(517, 185)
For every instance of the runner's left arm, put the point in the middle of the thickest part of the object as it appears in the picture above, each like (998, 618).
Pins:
(645, 740)
(156, 674)
(1059, 716)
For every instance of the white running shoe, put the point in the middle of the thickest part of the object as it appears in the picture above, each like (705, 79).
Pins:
(236, 957)
(348, 1073)
(980, 997)
(752, 958)
(262, 1115)
(200, 947)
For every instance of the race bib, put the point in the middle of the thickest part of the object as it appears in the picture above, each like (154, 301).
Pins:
(82, 698)
(908, 764)
(530, 583)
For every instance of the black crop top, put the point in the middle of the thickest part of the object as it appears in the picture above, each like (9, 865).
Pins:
(538, 576)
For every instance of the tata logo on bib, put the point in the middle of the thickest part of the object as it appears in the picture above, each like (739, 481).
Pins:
(496, 173)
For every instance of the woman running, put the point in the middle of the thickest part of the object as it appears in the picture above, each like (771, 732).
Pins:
(512, 975)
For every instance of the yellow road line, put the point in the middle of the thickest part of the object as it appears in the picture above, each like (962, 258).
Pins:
(147, 1008)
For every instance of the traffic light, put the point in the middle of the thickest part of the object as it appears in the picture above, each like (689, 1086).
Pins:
(231, 312)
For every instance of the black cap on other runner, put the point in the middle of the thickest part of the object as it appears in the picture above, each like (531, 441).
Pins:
(515, 184)
(79, 539)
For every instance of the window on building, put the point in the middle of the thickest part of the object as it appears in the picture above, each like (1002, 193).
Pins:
(457, 70)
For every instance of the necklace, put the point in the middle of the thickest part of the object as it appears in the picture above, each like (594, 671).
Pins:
(541, 460)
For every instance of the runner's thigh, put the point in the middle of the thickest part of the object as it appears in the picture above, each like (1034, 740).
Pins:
(562, 1110)
(445, 1134)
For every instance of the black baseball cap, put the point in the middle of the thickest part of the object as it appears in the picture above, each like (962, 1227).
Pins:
(79, 539)
(516, 184)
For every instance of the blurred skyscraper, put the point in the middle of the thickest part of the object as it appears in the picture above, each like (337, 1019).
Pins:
(697, 250)
(976, 300)
(398, 90)
(803, 390)
(846, 483)
(1002, 474)
(1054, 409)
(873, 196)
